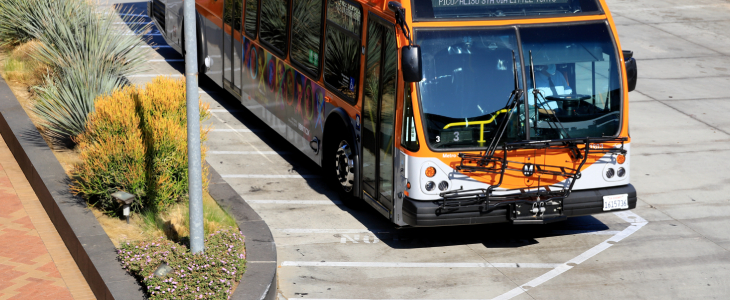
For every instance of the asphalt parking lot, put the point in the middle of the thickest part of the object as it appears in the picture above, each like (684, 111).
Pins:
(674, 245)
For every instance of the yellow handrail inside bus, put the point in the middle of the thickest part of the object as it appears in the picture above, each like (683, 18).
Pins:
(481, 123)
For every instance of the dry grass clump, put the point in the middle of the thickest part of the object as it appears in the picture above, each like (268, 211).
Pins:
(19, 65)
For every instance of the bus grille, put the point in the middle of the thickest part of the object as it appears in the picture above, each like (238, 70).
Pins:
(158, 13)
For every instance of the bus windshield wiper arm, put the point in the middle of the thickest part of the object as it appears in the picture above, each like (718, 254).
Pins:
(512, 101)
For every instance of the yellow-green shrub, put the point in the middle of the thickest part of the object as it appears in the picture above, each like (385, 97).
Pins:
(136, 141)
(113, 152)
(162, 107)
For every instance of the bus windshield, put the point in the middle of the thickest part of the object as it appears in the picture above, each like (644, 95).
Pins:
(468, 77)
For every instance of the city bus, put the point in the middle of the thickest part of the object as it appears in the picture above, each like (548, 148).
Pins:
(434, 112)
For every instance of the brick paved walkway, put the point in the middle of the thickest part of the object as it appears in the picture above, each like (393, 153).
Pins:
(34, 262)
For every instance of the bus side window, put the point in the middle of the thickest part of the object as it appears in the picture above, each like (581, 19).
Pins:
(273, 24)
(342, 56)
(251, 18)
(409, 139)
(306, 29)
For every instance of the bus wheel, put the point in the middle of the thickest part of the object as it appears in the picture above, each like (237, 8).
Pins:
(345, 167)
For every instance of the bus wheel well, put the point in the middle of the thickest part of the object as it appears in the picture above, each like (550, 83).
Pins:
(339, 156)
(198, 45)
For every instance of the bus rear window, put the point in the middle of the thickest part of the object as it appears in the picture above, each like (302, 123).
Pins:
(428, 10)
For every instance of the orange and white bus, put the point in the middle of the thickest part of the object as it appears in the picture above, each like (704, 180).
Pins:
(435, 112)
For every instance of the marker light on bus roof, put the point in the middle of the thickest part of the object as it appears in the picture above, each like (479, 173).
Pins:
(430, 171)
(620, 159)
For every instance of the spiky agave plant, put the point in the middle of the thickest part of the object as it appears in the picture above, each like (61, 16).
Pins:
(91, 56)
(18, 20)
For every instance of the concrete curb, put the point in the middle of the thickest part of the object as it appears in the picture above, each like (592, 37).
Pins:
(259, 281)
(86, 240)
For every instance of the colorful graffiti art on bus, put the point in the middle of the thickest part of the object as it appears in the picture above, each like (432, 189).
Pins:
(283, 91)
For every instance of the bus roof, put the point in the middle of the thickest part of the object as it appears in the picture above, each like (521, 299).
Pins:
(453, 10)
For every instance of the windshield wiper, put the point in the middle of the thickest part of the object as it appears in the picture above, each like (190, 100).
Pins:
(512, 102)
(535, 93)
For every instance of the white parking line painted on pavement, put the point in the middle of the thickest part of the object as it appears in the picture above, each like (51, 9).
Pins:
(133, 15)
(155, 75)
(266, 176)
(308, 230)
(306, 202)
(589, 232)
(167, 60)
(415, 265)
(134, 23)
(249, 152)
(234, 130)
(223, 110)
(636, 224)
(243, 139)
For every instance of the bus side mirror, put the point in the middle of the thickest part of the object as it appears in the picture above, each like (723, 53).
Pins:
(631, 71)
(411, 63)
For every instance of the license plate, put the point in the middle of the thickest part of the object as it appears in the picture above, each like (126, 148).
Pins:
(615, 202)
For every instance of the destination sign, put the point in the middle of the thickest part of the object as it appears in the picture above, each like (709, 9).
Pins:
(495, 3)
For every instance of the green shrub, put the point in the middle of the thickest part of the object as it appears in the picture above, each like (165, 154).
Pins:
(206, 276)
(113, 153)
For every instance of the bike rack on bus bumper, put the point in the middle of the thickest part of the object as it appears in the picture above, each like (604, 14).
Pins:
(542, 204)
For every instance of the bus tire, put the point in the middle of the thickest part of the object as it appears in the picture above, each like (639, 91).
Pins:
(198, 46)
(341, 165)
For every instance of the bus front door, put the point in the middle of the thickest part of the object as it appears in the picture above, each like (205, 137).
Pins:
(232, 48)
(378, 111)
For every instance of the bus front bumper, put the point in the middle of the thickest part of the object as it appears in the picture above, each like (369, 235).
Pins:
(579, 203)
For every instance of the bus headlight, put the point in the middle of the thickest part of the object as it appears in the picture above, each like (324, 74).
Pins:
(430, 185)
(610, 172)
(621, 172)
(443, 185)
